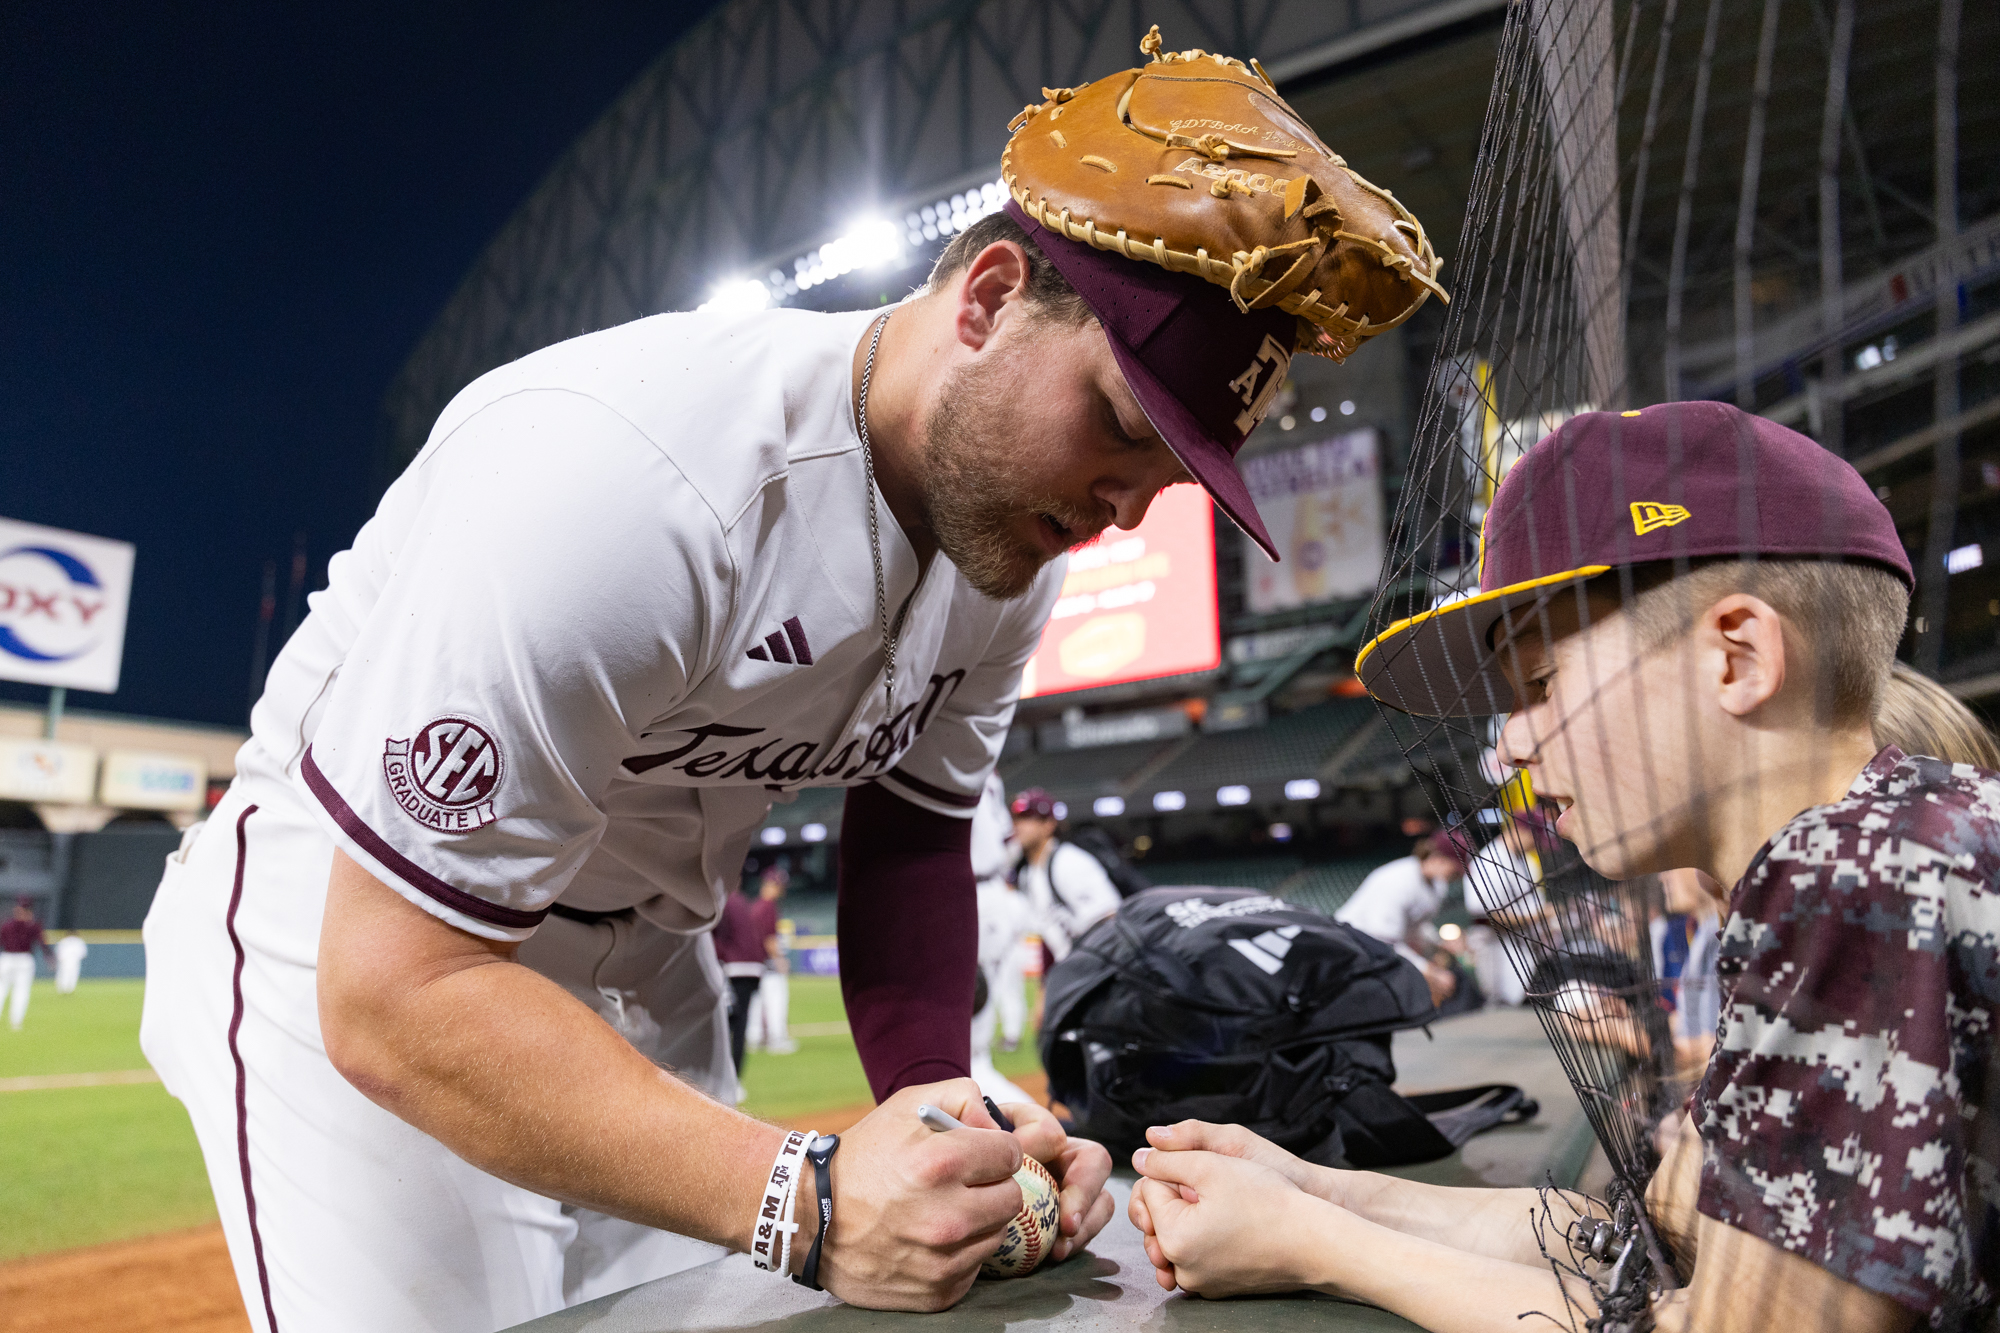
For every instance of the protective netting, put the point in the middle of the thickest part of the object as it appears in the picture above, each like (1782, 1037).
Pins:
(1585, 269)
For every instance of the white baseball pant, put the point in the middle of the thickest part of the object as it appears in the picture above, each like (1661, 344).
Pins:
(339, 1216)
(17, 979)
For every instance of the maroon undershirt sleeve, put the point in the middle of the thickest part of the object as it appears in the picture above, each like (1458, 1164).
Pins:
(909, 939)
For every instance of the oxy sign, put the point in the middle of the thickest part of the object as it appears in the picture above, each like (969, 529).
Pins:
(63, 597)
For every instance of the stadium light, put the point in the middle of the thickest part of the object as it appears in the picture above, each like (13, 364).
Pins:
(1061, 810)
(1962, 558)
(737, 296)
(1281, 833)
(1302, 789)
(1106, 806)
(941, 219)
(1168, 801)
(1235, 794)
(772, 837)
(813, 833)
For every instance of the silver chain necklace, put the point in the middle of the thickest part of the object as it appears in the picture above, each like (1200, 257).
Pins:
(875, 526)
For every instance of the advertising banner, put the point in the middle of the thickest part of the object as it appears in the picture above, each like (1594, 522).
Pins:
(1323, 506)
(134, 780)
(1136, 605)
(47, 771)
(62, 606)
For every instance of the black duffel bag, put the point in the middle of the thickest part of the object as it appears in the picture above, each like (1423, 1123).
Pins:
(1231, 1006)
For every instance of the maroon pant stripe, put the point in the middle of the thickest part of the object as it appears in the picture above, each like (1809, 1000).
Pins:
(243, 1078)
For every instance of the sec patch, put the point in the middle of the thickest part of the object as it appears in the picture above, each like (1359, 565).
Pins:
(444, 777)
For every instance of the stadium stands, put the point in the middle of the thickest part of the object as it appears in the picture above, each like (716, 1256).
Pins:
(1265, 872)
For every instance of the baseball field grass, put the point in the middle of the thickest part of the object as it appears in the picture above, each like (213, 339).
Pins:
(91, 1164)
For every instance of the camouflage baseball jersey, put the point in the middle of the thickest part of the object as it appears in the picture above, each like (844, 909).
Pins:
(1848, 1114)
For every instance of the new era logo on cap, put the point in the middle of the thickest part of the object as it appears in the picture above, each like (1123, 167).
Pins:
(789, 647)
(1646, 516)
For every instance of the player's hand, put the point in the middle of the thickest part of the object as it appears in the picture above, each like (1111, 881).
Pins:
(1080, 1166)
(1222, 1226)
(915, 1212)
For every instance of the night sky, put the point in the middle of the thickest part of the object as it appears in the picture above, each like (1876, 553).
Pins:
(222, 229)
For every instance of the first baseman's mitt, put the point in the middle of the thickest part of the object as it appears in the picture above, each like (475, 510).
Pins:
(1194, 162)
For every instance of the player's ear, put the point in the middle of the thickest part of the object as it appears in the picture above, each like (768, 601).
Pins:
(996, 278)
(1740, 644)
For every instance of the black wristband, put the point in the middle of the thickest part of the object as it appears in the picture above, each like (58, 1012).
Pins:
(820, 1153)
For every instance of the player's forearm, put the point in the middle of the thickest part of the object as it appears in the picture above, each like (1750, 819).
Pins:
(508, 1071)
(907, 894)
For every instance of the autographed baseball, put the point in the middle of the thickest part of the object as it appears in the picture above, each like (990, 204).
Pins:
(1033, 1230)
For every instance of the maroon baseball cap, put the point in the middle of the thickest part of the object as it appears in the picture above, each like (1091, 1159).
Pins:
(1610, 489)
(1033, 801)
(1203, 371)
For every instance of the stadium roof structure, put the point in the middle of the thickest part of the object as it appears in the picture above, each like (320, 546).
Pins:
(774, 124)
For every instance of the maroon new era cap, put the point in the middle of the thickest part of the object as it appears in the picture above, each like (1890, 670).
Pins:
(1610, 489)
(1204, 372)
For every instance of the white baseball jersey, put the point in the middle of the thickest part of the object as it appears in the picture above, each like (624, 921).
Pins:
(1070, 892)
(1394, 900)
(621, 601)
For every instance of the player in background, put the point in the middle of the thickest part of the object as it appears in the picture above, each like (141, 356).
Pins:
(1502, 884)
(1004, 922)
(1703, 698)
(20, 938)
(69, 953)
(1397, 902)
(1068, 888)
(770, 1007)
(742, 956)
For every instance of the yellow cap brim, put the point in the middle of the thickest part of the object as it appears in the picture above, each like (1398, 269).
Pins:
(1439, 663)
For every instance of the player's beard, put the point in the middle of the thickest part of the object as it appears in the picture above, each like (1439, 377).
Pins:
(978, 482)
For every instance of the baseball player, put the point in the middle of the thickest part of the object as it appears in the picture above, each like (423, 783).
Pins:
(1004, 922)
(20, 937)
(69, 954)
(436, 982)
(770, 1007)
(1066, 886)
(1397, 901)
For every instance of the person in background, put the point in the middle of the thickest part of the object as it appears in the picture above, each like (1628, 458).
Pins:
(1067, 886)
(69, 953)
(1397, 902)
(1503, 887)
(771, 1003)
(741, 954)
(1687, 940)
(1004, 922)
(1920, 716)
(20, 937)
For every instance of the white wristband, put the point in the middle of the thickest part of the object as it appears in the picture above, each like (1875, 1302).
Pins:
(790, 1227)
(771, 1236)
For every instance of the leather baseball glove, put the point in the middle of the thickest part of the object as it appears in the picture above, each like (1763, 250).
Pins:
(1194, 162)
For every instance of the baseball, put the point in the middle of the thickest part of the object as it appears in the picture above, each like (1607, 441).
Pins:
(1034, 1228)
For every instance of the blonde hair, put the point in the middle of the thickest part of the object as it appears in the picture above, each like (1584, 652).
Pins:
(1850, 615)
(1920, 716)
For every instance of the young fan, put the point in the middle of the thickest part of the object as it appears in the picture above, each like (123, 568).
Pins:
(1692, 614)
(1920, 716)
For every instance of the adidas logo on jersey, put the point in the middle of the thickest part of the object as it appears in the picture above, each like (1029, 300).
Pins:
(789, 647)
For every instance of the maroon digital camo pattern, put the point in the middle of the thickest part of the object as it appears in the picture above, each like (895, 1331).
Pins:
(1848, 1114)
